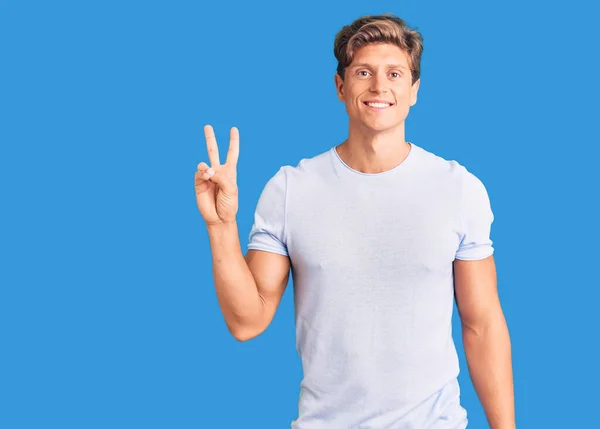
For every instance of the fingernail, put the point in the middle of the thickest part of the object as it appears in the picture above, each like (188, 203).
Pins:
(210, 172)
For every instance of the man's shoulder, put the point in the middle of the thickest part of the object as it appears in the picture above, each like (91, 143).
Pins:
(319, 163)
(306, 170)
(437, 165)
(448, 171)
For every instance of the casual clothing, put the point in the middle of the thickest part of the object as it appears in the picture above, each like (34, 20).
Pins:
(372, 270)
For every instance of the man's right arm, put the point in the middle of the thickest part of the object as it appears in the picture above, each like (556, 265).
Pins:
(249, 289)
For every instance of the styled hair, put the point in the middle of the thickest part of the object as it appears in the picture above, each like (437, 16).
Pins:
(386, 28)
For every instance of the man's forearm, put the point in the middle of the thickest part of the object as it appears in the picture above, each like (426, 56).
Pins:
(488, 353)
(236, 288)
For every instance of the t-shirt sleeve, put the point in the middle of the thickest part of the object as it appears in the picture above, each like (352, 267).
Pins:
(476, 220)
(268, 230)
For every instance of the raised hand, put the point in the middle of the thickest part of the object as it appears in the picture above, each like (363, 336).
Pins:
(216, 185)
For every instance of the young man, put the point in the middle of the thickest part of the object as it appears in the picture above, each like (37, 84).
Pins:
(381, 235)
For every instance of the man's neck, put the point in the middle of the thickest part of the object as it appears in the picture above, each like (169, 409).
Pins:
(371, 152)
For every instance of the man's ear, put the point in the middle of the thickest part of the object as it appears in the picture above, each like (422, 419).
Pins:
(414, 89)
(339, 86)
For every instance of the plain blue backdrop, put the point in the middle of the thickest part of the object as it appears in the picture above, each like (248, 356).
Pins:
(108, 315)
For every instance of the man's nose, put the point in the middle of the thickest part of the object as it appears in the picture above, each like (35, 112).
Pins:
(379, 83)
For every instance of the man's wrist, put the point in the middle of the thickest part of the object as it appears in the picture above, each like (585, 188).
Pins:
(220, 228)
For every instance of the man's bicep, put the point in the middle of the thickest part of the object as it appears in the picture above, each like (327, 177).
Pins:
(271, 273)
(475, 287)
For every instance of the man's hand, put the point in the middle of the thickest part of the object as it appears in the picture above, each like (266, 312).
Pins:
(216, 186)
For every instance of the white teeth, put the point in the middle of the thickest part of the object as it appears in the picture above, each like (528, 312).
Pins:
(378, 105)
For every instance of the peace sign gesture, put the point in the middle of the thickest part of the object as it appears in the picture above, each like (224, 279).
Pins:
(216, 186)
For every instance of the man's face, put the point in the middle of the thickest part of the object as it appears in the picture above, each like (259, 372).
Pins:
(377, 88)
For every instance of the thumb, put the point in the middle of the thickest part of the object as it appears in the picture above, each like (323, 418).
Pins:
(225, 183)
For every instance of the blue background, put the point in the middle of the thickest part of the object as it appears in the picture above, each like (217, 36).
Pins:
(108, 315)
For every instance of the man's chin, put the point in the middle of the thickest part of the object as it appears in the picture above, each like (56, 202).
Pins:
(379, 127)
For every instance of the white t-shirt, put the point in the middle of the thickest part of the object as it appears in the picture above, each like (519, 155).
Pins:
(372, 270)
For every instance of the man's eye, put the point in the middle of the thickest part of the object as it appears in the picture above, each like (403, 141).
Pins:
(397, 75)
(360, 73)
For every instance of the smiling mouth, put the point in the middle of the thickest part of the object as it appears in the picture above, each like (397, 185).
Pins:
(377, 105)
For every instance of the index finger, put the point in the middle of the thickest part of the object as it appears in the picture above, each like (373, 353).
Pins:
(234, 146)
(211, 146)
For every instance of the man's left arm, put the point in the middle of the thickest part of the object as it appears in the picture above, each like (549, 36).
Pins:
(486, 339)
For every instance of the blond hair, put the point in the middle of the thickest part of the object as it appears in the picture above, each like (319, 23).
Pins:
(386, 28)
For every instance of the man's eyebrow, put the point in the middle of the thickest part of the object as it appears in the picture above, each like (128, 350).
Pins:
(394, 66)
